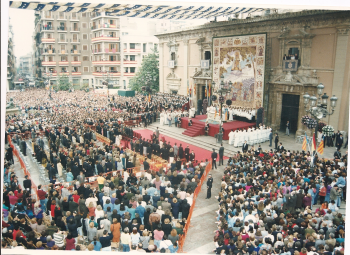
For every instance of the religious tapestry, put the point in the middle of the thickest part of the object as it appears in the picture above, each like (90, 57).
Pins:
(241, 60)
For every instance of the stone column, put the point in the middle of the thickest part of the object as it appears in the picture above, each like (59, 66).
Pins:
(339, 72)
(306, 52)
(185, 73)
(161, 68)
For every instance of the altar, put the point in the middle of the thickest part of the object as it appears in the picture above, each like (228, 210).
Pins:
(212, 114)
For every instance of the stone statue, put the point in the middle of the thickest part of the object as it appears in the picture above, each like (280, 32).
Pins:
(10, 105)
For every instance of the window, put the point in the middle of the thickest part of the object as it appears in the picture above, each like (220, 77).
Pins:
(132, 57)
(144, 47)
(173, 56)
(62, 37)
(83, 14)
(63, 47)
(85, 82)
(76, 58)
(86, 69)
(75, 26)
(132, 69)
(64, 58)
(75, 37)
(84, 25)
(132, 45)
(85, 47)
(85, 37)
(50, 59)
(156, 46)
(85, 58)
(111, 22)
(126, 69)
(61, 15)
(207, 56)
(74, 15)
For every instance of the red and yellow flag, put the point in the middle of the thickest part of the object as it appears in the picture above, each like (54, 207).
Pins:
(304, 146)
(205, 91)
(320, 147)
(149, 98)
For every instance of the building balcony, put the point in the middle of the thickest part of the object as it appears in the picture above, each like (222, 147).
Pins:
(129, 62)
(75, 41)
(48, 40)
(129, 74)
(101, 74)
(51, 17)
(105, 39)
(48, 63)
(64, 73)
(100, 51)
(47, 29)
(62, 40)
(63, 63)
(105, 26)
(76, 63)
(51, 73)
(132, 50)
(105, 63)
(75, 52)
(48, 52)
(63, 52)
(62, 29)
(76, 73)
(75, 30)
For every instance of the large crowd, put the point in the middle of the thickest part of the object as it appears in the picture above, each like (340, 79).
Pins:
(267, 204)
(131, 212)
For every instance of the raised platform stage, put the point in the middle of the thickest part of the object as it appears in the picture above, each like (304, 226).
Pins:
(198, 126)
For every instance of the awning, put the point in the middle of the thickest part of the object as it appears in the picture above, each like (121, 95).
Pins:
(137, 11)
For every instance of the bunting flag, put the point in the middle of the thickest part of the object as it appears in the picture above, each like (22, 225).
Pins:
(205, 92)
(171, 12)
(320, 147)
(304, 146)
(313, 146)
(209, 89)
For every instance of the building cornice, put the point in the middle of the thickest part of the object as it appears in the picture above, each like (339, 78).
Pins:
(300, 19)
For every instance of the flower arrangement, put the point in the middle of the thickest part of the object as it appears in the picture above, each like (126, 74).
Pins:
(308, 122)
(321, 125)
(328, 130)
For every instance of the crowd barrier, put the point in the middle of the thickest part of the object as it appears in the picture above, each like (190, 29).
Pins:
(195, 195)
(23, 166)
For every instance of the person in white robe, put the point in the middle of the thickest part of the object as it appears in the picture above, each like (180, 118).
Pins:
(231, 137)
(238, 138)
(117, 140)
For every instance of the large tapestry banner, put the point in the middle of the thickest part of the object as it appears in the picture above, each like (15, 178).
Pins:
(241, 60)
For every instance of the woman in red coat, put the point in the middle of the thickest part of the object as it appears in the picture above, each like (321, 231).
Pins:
(53, 206)
(70, 242)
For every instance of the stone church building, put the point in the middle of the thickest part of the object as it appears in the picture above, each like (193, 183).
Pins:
(319, 37)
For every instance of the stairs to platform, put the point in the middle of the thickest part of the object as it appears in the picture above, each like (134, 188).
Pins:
(194, 130)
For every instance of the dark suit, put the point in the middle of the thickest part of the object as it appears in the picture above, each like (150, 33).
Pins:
(27, 184)
(187, 154)
(209, 186)
(245, 147)
(214, 156)
(221, 155)
(181, 152)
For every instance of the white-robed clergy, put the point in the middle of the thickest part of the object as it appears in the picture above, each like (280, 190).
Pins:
(117, 139)
(231, 137)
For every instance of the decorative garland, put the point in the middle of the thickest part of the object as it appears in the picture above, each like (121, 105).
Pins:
(328, 130)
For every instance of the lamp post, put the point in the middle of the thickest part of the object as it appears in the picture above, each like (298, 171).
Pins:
(317, 107)
(221, 89)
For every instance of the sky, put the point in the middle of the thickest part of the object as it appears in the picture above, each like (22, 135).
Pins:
(22, 22)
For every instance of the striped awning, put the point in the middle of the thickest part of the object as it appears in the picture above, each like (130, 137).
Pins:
(137, 10)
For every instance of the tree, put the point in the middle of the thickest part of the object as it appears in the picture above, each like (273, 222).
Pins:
(148, 74)
(63, 82)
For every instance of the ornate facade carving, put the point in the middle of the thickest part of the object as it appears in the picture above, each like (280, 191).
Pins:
(173, 81)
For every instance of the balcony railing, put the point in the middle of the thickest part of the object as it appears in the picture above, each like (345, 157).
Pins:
(105, 39)
(47, 17)
(62, 41)
(75, 40)
(48, 63)
(75, 51)
(105, 62)
(111, 73)
(53, 73)
(63, 63)
(76, 63)
(129, 62)
(47, 28)
(129, 74)
(63, 52)
(133, 50)
(76, 73)
(48, 51)
(75, 30)
(105, 26)
(64, 29)
(47, 40)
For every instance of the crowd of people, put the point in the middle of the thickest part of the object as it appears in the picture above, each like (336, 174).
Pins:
(129, 212)
(267, 204)
(250, 135)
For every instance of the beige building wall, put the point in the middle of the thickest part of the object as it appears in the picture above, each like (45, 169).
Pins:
(324, 49)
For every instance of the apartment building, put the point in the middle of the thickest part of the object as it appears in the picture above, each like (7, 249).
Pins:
(85, 47)
(11, 60)
(26, 65)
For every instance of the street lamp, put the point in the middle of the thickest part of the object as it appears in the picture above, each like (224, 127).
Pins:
(317, 107)
(221, 89)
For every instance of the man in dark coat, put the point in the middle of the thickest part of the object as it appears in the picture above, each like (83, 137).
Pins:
(181, 151)
(214, 156)
(245, 147)
(221, 155)
(209, 186)
(187, 153)
(27, 184)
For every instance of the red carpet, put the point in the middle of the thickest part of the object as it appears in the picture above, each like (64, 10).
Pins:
(198, 126)
(201, 154)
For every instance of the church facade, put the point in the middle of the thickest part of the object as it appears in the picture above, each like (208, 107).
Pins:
(318, 39)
